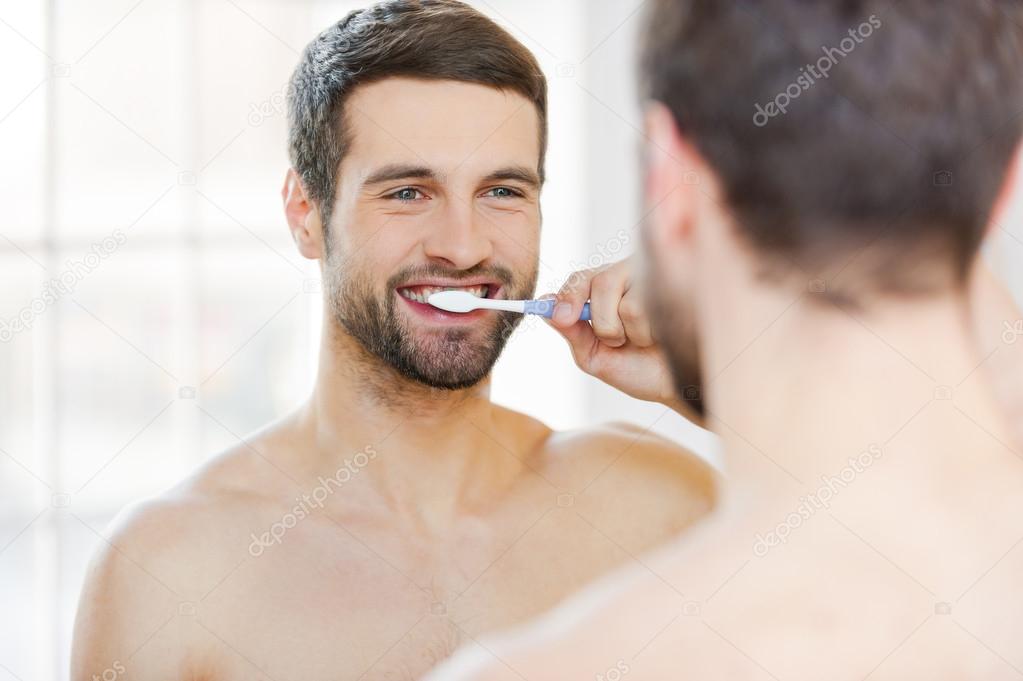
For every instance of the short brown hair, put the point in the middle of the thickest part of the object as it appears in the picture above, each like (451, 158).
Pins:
(903, 143)
(430, 39)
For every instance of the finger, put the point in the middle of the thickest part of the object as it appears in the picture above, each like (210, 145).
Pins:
(573, 294)
(581, 341)
(606, 291)
(632, 312)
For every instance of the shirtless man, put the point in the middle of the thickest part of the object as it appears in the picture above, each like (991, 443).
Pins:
(399, 513)
(871, 526)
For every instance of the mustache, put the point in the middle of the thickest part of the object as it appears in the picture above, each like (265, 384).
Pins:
(413, 272)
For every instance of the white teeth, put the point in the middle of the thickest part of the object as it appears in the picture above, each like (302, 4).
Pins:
(420, 295)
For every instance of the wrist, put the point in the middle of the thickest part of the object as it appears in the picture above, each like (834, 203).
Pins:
(683, 404)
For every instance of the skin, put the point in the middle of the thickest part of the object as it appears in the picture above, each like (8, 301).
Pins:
(996, 318)
(453, 516)
(910, 570)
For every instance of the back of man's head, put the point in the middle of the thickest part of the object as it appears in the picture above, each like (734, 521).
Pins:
(841, 125)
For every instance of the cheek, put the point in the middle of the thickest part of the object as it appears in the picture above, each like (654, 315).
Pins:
(659, 276)
(514, 232)
(648, 259)
(383, 238)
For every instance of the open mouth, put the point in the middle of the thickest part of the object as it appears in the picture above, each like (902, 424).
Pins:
(416, 296)
(421, 294)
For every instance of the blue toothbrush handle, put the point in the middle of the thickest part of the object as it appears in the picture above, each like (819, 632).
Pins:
(545, 308)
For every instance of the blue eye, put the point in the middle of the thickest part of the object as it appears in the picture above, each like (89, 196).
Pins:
(504, 193)
(405, 194)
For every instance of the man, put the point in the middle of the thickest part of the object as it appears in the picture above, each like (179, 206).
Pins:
(399, 513)
(814, 287)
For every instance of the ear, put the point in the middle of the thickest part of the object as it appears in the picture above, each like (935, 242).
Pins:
(1009, 193)
(673, 179)
(303, 217)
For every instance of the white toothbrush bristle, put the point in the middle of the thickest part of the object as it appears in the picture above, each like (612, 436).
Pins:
(454, 301)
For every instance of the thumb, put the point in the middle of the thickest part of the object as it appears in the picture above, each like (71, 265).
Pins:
(581, 341)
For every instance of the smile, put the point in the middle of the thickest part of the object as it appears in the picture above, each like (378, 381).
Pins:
(415, 295)
(420, 294)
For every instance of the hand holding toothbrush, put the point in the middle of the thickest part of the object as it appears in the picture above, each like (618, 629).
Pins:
(616, 345)
(609, 335)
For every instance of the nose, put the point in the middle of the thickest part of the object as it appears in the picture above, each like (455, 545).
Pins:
(459, 237)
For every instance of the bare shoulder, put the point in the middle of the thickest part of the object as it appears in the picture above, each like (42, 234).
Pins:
(154, 563)
(632, 483)
(622, 453)
(137, 583)
(181, 533)
(173, 536)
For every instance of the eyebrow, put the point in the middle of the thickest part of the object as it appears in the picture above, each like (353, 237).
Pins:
(404, 171)
(399, 171)
(522, 174)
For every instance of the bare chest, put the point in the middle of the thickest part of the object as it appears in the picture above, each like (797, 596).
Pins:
(368, 605)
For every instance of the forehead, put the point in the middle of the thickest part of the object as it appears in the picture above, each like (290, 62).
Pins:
(448, 125)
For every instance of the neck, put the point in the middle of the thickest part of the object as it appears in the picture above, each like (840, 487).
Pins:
(824, 383)
(433, 447)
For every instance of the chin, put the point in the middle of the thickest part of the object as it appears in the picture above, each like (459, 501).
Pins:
(453, 359)
(674, 325)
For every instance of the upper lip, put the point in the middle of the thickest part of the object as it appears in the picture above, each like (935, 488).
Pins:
(492, 285)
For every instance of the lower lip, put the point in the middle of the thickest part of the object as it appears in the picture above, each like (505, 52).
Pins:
(435, 314)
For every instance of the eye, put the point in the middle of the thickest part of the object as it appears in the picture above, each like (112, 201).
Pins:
(405, 194)
(503, 193)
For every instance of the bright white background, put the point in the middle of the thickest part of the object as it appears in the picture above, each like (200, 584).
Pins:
(164, 119)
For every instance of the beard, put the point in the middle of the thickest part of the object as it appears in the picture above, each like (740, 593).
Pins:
(449, 359)
(673, 323)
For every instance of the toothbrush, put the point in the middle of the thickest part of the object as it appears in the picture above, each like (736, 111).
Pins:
(460, 301)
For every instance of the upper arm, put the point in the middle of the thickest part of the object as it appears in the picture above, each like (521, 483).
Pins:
(129, 612)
